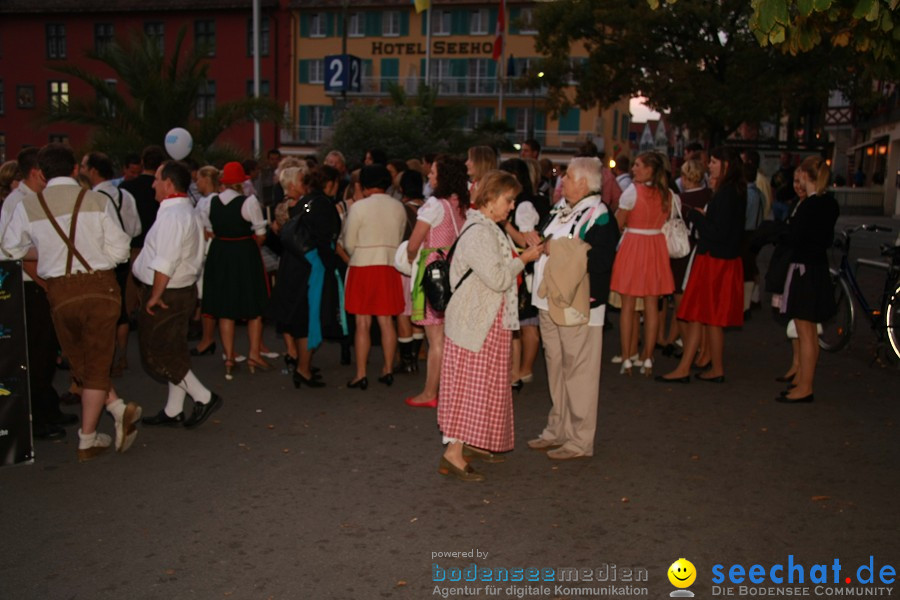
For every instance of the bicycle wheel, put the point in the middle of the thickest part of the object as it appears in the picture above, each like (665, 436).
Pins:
(837, 330)
(892, 322)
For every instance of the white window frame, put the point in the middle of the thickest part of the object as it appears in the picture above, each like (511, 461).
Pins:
(316, 123)
(442, 22)
(478, 21)
(318, 28)
(356, 25)
(390, 19)
(526, 19)
(317, 71)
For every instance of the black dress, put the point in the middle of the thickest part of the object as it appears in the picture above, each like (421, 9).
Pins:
(289, 306)
(809, 291)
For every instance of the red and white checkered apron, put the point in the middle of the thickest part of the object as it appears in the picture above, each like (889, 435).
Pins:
(475, 400)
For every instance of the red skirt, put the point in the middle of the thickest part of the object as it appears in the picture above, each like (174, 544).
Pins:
(714, 294)
(475, 400)
(374, 290)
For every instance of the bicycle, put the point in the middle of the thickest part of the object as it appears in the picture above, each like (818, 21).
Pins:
(885, 318)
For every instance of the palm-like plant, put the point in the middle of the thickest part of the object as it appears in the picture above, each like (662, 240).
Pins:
(159, 94)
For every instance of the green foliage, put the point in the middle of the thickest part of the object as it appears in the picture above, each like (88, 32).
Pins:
(407, 128)
(158, 94)
(695, 58)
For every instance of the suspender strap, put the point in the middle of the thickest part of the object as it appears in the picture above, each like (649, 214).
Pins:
(70, 240)
(118, 207)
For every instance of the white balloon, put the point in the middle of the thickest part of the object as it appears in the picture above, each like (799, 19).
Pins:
(179, 143)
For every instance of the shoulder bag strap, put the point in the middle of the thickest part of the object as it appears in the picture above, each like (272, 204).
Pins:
(70, 239)
(118, 206)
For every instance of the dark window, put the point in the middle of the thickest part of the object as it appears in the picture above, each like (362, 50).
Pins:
(58, 138)
(58, 94)
(2, 99)
(2, 147)
(56, 40)
(105, 101)
(156, 31)
(263, 36)
(104, 34)
(205, 35)
(263, 88)
(25, 96)
(206, 99)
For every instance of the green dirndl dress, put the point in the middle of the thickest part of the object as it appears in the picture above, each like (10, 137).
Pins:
(234, 278)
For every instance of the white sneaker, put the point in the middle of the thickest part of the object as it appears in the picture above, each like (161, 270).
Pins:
(98, 446)
(238, 358)
(126, 431)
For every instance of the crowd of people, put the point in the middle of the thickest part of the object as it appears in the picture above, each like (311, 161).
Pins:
(477, 262)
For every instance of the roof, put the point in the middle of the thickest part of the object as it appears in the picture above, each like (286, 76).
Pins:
(124, 6)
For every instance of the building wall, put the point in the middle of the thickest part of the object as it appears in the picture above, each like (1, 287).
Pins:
(24, 61)
(391, 41)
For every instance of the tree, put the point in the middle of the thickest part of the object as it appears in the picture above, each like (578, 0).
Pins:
(695, 58)
(159, 94)
(801, 25)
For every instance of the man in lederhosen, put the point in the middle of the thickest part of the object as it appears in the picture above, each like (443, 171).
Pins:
(167, 269)
(75, 237)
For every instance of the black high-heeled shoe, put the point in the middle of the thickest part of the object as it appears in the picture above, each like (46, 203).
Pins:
(311, 382)
(387, 380)
(517, 385)
(362, 384)
(206, 352)
(290, 362)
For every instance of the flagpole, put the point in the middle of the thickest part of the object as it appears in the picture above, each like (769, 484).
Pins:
(428, 45)
(502, 63)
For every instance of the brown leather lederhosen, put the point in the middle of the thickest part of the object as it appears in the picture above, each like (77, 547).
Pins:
(85, 308)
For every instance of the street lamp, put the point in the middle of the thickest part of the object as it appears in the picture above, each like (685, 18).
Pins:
(532, 126)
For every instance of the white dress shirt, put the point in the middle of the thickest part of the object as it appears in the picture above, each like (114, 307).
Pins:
(99, 237)
(173, 246)
(9, 205)
(130, 222)
(251, 211)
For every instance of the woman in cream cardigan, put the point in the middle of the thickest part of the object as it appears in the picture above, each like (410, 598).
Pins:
(475, 410)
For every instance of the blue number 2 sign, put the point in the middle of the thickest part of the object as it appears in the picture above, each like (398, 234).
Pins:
(342, 73)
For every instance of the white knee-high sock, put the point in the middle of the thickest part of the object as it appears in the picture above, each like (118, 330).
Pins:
(175, 402)
(197, 390)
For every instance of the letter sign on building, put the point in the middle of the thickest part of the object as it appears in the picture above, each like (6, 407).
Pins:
(343, 73)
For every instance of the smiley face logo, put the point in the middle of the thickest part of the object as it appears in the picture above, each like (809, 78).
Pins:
(682, 573)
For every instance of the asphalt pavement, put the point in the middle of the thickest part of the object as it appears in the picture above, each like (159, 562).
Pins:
(334, 492)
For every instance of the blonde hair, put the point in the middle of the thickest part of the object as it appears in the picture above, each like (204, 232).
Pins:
(817, 169)
(693, 170)
(292, 175)
(484, 158)
(211, 173)
(493, 185)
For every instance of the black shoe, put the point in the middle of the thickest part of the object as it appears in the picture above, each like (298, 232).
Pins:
(48, 431)
(202, 411)
(719, 379)
(803, 400)
(359, 383)
(387, 380)
(662, 379)
(161, 418)
(209, 350)
(290, 362)
(64, 419)
(517, 385)
(312, 382)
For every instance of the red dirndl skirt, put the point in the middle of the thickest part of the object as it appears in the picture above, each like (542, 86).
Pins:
(374, 290)
(714, 294)
(475, 400)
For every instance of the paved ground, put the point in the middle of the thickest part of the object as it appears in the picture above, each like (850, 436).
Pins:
(334, 493)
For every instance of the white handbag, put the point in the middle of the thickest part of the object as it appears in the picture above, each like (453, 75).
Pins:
(676, 232)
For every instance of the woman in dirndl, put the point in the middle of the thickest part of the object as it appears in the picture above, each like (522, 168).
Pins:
(235, 286)
(438, 224)
(809, 291)
(714, 294)
(475, 411)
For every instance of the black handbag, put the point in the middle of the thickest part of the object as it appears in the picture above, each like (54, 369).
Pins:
(436, 280)
(296, 236)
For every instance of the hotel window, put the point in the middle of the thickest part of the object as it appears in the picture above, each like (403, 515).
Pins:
(206, 99)
(263, 88)
(481, 80)
(526, 21)
(105, 101)
(25, 96)
(479, 115)
(56, 40)
(2, 99)
(441, 22)
(318, 27)
(478, 21)
(156, 31)
(205, 35)
(58, 94)
(390, 23)
(58, 138)
(104, 34)
(263, 36)
(2, 147)
(317, 71)
(356, 25)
